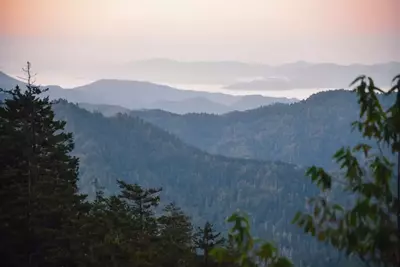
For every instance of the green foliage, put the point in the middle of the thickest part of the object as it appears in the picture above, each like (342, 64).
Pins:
(246, 251)
(367, 228)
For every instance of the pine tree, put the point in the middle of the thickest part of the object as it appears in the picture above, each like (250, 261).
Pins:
(110, 230)
(141, 202)
(38, 181)
(176, 236)
(206, 239)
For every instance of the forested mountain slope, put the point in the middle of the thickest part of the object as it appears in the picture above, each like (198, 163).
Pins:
(208, 187)
(308, 132)
(129, 148)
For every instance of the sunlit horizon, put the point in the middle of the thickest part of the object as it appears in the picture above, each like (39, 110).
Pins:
(94, 32)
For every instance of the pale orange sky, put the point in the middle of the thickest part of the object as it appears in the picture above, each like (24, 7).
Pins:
(270, 31)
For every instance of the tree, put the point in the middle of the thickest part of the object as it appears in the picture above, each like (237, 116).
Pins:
(206, 239)
(111, 233)
(120, 231)
(242, 248)
(38, 182)
(141, 202)
(369, 228)
(176, 236)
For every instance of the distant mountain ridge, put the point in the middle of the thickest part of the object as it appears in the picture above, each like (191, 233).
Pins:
(306, 133)
(263, 84)
(106, 110)
(300, 74)
(146, 95)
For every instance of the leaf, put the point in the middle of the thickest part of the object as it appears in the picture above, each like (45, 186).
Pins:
(321, 236)
(219, 253)
(339, 153)
(266, 251)
(296, 217)
(282, 262)
(353, 219)
(359, 78)
(337, 207)
(364, 147)
(397, 77)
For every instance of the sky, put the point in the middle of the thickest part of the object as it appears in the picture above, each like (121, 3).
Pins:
(89, 33)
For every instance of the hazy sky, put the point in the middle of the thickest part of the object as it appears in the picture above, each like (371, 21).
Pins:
(54, 32)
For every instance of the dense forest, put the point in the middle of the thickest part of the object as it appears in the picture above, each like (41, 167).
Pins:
(207, 187)
(305, 133)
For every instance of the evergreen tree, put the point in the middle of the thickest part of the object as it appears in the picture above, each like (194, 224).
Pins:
(142, 203)
(111, 232)
(206, 239)
(38, 182)
(176, 235)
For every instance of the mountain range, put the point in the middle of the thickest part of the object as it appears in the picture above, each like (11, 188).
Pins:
(208, 187)
(146, 95)
(307, 132)
(295, 75)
